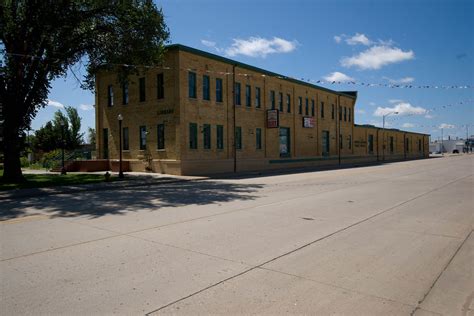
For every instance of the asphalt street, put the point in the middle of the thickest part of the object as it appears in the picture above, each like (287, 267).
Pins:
(391, 239)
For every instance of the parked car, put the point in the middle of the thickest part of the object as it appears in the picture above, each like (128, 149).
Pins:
(455, 151)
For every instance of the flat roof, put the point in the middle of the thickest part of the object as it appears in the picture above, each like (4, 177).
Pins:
(388, 129)
(349, 94)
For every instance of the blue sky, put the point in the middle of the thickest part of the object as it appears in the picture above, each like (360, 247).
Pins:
(416, 43)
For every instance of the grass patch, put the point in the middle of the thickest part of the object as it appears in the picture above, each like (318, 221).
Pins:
(50, 180)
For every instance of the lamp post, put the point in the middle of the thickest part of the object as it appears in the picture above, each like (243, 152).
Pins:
(63, 169)
(383, 133)
(120, 118)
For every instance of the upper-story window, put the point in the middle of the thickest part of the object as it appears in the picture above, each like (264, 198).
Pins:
(237, 93)
(333, 111)
(288, 103)
(192, 84)
(300, 105)
(272, 99)
(110, 95)
(306, 108)
(248, 96)
(206, 88)
(280, 101)
(322, 109)
(345, 114)
(312, 107)
(218, 90)
(257, 97)
(142, 89)
(350, 112)
(160, 86)
(125, 93)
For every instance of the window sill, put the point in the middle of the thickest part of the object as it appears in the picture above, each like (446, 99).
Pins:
(161, 150)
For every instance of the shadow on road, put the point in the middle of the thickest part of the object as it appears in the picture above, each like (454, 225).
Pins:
(120, 201)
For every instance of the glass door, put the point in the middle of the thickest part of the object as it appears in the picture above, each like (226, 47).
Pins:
(285, 142)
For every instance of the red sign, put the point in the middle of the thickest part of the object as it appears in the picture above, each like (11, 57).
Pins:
(272, 119)
(308, 122)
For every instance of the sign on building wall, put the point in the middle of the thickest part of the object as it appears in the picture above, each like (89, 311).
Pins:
(272, 119)
(308, 122)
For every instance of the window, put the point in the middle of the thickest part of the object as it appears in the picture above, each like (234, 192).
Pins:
(340, 141)
(142, 131)
(206, 88)
(206, 133)
(340, 114)
(160, 86)
(125, 141)
(300, 105)
(407, 148)
(345, 114)
(312, 107)
(141, 87)
(110, 95)
(272, 99)
(237, 93)
(391, 144)
(220, 137)
(257, 97)
(349, 144)
(284, 136)
(325, 143)
(238, 137)
(160, 133)
(350, 111)
(280, 102)
(288, 103)
(258, 140)
(192, 84)
(125, 93)
(371, 144)
(218, 90)
(248, 96)
(322, 109)
(193, 136)
(105, 142)
(419, 145)
(306, 108)
(333, 111)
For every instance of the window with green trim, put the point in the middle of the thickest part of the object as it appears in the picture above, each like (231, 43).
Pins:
(192, 135)
(206, 88)
(258, 138)
(238, 137)
(206, 133)
(219, 90)
(220, 137)
(192, 84)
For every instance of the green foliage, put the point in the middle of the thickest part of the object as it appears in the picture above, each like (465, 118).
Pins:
(41, 40)
(62, 127)
(24, 162)
(91, 135)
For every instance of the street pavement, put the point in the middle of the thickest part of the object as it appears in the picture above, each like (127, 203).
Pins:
(391, 239)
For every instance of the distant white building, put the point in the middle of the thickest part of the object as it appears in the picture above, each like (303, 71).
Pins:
(448, 145)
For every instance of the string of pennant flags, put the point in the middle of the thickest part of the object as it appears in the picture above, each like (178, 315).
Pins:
(308, 80)
(434, 109)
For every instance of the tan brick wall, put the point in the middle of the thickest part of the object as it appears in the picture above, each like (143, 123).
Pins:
(177, 110)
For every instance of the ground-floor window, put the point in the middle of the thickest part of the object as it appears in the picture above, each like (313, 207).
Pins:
(325, 143)
(192, 135)
(160, 131)
(284, 142)
(258, 138)
(238, 137)
(206, 133)
(220, 137)
(419, 145)
(125, 141)
(105, 141)
(142, 134)
(349, 143)
(340, 141)
(370, 144)
(391, 144)
(407, 148)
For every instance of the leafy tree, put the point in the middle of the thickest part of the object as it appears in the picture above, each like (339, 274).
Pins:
(62, 128)
(41, 40)
(91, 136)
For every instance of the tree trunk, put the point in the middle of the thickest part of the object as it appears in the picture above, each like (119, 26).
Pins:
(12, 165)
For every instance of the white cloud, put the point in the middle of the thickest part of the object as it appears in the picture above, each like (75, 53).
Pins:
(403, 108)
(372, 104)
(86, 107)
(376, 57)
(260, 47)
(445, 125)
(337, 39)
(428, 116)
(208, 43)
(392, 101)
(56, 104)
(338, 76)
(358, 39)
(408, 125)
(401, 80)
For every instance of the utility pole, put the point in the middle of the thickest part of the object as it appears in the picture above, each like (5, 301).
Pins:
(442, 144)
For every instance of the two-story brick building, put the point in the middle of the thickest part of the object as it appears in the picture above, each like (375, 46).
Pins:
(200, 113)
